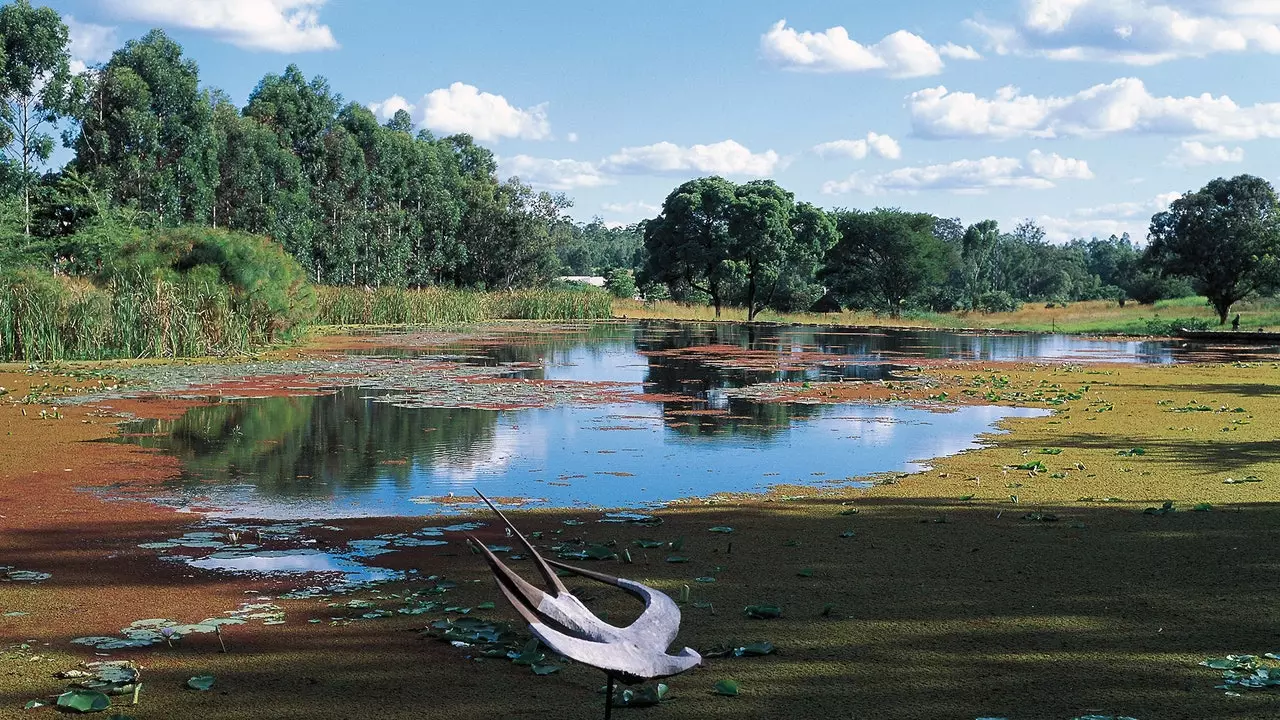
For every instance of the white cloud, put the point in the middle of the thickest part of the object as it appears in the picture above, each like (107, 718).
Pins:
(389, 107)
(277, 25)
(571, 137)
(899, 54)
(1102, 221)
(1192, 153)
(463, 108)
(875, 143)
(631, 208)
(959, 52)
(553, 174)
(89, 43)
(1038, 171)
(1137, 32)
(727, 157)
(1121, 106)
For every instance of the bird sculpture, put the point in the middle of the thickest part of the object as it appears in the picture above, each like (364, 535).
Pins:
(631, 654)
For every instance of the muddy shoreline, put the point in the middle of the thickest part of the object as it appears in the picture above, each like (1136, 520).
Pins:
(940, 597)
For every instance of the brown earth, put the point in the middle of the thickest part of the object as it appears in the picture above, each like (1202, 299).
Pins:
(946, 601)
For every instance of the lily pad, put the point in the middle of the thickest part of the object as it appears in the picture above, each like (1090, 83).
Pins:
(677, 559)
(83, 701)
(650, 544)
(763, 612)
(728, 688)
(643, 696)
(200, 682)
(721, 529)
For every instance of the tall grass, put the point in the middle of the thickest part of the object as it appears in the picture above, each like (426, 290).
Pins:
(44, 318)
(397, 306)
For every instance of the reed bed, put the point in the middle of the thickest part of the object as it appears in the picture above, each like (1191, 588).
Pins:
(436, 306)
(46, 319)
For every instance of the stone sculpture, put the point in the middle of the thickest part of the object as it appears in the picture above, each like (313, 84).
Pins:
(632, 654)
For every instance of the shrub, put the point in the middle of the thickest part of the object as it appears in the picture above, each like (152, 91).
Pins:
(621, 283)
(997, 301)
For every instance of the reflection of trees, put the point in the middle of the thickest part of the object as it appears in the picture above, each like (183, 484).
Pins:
(300, 446)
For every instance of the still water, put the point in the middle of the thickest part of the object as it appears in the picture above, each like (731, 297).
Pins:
(347, 454)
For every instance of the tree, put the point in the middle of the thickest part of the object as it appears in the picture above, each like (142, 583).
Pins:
(886, 257)
(977, 245)
(146, 132)
(1225, 237)
(689, 242)
(34, 76)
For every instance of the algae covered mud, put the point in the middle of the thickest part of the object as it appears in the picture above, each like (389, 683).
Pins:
(304, 511)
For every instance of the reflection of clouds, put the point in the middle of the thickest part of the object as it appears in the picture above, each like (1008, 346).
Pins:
(510, 442)
(615, 363)
(296, 561)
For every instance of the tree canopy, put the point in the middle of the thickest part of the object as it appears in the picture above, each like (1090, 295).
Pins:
(1225, 237)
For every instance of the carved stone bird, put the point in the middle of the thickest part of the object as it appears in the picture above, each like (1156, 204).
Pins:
(631, 654)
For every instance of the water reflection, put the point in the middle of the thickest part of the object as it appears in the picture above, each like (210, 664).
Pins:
(345, 454)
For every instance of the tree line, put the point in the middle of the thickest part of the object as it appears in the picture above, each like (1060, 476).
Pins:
(355, 201)
(359, 202)
(752, 245)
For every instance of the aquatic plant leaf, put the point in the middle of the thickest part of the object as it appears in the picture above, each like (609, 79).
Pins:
(546, 668)
(1201, 507)
(677, 559)
(721, 529)
(33, 704)
(846, 534)
(805, 573)
(763, 612)
(728, 688)
(705, 579)
(200, 682)
(83, 701)
(755, 650)
(650, 544)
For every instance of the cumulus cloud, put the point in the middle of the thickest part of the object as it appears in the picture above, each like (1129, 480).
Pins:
(1037, 171)
(1192, 153)
(389, 107)
(1121, 106)
(1105, 220)
(727, 157)
(899, 54)
(463, 108)
(1137, 32)
(89, 43)
(874, 143)
(553, 174)
(276, 25)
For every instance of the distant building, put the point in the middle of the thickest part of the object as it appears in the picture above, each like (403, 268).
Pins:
(596, 280)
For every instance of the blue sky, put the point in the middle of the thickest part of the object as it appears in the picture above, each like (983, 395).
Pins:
(1085, 115)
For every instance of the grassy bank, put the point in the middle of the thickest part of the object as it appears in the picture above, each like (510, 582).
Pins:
(396, 306)
(1094, 316)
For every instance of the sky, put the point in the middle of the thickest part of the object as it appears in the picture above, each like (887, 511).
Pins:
(1086, 116)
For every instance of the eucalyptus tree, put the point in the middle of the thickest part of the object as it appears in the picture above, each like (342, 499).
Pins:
(773, 238)
(146, 132)
(34, 79)
(1225, 237)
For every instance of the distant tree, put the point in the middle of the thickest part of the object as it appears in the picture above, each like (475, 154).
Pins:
(1225, 237)
(773, 239)
(977, 245)
(621, 283)
(887, 256)
(34, 78)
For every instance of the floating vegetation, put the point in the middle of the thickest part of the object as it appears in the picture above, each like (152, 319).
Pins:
(1245, 479)
(728, 688)
(153, 631)
(201, 683)
(762, 612)
(1246, 672)
(1165, 508)
(10, 574)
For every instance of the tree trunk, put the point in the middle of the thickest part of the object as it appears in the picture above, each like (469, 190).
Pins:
(751, 298)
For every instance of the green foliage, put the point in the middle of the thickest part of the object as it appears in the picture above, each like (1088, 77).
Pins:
(1225, 237)
(886, 258)
(722, 239)
(394, 306)
(621, 283)
(996, 301)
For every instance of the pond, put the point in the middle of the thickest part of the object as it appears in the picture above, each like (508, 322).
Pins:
(366, 450)
(607, 415)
